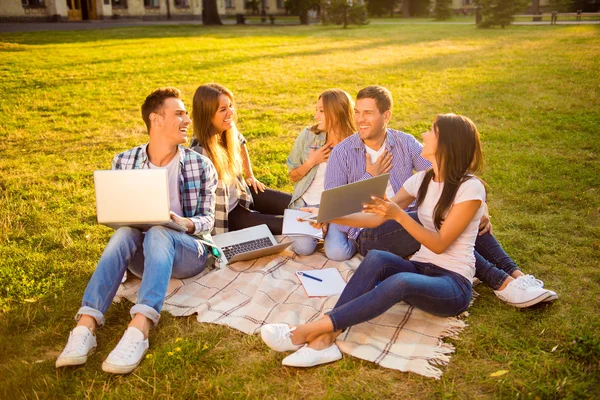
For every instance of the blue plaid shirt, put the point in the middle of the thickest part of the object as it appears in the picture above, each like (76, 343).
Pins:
(197, 183)
(347, 164)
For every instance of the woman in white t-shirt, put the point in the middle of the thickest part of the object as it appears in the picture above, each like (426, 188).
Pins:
(334, 116)
(437, 279)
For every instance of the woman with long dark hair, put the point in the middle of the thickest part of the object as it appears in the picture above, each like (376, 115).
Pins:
(437, 279)
(217, 137)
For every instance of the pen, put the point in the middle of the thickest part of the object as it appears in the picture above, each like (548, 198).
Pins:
(310, 276)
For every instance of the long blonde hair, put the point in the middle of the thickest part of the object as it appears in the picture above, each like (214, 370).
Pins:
(223, 149)
(338, 107)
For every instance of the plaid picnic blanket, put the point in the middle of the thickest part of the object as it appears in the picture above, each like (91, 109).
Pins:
(247, 295)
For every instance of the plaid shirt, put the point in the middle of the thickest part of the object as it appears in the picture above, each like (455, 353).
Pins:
(222, 193)
(347, 164)
(197, 183)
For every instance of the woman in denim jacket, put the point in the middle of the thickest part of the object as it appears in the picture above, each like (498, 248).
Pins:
(307, 161)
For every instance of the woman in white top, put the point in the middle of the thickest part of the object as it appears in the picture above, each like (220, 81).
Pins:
(437, 279)
(334, 116)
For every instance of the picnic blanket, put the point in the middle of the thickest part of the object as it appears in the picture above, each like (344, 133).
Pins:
(247, 295)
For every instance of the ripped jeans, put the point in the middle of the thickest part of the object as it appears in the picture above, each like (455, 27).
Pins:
(154, 257)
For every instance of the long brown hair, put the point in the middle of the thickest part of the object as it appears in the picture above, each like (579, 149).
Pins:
(339, 113)
(223, 149)
(458, 156)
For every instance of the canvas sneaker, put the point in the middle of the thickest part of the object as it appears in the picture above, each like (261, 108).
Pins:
(307, 357)
(518, 293)
(128, 354)
(278, 337)
(534, 282)
(81, 343)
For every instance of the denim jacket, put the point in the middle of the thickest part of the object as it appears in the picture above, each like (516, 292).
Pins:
(298, 156)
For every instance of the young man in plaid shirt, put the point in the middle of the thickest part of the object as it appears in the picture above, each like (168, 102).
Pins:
(157, 254)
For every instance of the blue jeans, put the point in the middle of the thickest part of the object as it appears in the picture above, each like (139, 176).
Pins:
(384, 279)
(338, 246)
(304, 245)
(154, 257)
(492, 265)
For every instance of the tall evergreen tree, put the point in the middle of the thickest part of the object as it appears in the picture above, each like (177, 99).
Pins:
(499, 12)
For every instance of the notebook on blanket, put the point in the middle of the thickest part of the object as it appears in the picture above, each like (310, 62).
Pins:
(322, 282)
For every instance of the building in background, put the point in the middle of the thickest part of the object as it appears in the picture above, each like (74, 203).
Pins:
(77, 10)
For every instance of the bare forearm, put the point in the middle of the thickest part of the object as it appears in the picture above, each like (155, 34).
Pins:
(360, 220)
(298, 173)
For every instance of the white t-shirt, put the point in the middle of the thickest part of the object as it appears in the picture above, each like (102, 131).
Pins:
(459, 256)
(374, 155)
(312, 196)
(173, 176)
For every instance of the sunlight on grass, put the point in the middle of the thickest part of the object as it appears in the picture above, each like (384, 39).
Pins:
(70, 101)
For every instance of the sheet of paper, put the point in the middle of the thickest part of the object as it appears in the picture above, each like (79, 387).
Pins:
(331, 283)
(293, 227)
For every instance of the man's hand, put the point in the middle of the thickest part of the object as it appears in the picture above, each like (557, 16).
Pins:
(381, 166)
(319, 155)
(485, 225)
(313, 210)
(255, 183)
(185, 222)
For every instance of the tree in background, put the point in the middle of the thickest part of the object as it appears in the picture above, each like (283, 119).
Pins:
(340, 12)
(301, 8)
(382, 7)
(499, 12)
(210, 13)
(443, 9)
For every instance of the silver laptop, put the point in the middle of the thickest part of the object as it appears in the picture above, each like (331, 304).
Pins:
(348, 199)
(138, 198)
(247, 244)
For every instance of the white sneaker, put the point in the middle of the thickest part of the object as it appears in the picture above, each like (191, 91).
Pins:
(307, 357)
(518, 293)
(278, 337)
(81, 343)
(534, 282)
(128, 354)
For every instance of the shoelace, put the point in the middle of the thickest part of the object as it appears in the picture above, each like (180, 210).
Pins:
(520, 283)
(532, 281)
(125, 348)
(77, 343)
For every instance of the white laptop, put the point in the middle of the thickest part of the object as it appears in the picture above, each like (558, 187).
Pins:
(247, 244)
(138, 198)
(348, 199)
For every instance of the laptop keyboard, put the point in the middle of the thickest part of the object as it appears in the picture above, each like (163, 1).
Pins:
(246, 247)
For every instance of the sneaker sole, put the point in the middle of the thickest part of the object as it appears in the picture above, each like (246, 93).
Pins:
(541, 298)
(121, 369)
(73, 361)
(552, 297)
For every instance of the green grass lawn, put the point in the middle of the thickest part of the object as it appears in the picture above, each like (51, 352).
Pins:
(69, 101)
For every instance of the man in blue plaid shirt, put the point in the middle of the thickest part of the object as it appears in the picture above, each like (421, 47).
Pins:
(157, 254)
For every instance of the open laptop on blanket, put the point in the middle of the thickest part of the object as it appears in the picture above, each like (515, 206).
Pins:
(138, 198)
(247, 244)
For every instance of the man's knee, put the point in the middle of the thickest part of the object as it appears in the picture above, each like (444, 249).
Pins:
(338, 252)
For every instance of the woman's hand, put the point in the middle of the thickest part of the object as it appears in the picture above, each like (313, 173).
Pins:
(319, 155)
(255, 183)
(384, 208)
